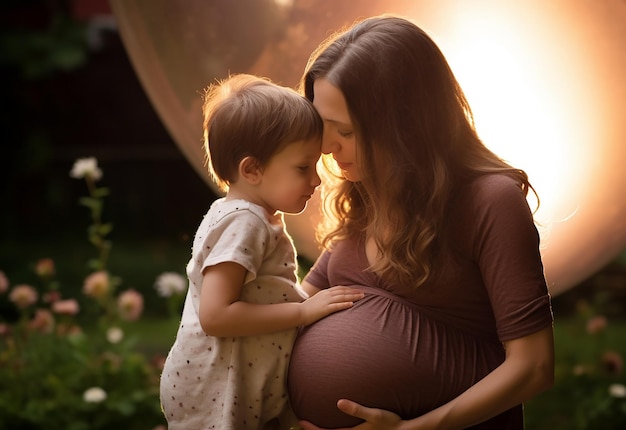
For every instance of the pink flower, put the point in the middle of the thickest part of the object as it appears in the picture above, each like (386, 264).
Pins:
(4, 283)
(69, 330)
(45, 268)
(612, 362)
(5, 329)
(596, 324)
(43, 321)
(66, 307)
(130, 305)
(51, 297)
(97, 285)
(23, 296)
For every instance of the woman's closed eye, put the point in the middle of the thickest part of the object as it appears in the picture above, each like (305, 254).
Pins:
(343, 133)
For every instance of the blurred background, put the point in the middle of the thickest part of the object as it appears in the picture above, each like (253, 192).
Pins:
(70, 90)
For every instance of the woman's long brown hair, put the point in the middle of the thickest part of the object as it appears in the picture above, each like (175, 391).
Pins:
(416, 143)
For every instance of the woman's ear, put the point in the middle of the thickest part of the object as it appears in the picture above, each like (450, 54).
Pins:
(250, 170)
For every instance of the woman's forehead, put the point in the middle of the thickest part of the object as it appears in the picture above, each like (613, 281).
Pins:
(330, 102)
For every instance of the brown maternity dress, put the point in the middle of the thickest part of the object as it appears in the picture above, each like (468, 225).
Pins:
(410, 350)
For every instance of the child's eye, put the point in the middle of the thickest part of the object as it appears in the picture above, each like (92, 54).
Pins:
(303, 168)
(345, 133)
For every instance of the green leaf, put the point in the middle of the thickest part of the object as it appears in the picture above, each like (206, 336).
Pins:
(90, 202)
(101, 192)
(104, 229)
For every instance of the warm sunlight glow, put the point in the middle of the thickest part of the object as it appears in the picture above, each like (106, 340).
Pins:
(519, 113)
(545, 79)
(532, 77)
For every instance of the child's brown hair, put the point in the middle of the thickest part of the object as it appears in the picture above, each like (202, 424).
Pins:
(246, 115)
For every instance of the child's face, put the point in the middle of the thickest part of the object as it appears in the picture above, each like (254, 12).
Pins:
(290, 177)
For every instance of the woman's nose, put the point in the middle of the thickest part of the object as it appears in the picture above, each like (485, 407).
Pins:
(329, 145)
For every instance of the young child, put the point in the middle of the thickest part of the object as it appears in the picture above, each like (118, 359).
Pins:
(226, 369)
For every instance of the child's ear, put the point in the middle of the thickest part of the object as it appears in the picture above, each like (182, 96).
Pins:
(250, 170)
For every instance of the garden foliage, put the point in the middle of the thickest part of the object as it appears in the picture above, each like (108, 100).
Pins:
(73, 363)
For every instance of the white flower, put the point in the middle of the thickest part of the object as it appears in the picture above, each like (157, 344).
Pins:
(86, 167)
(94, 395)
(617, 390)
(170, 283)
(115, 334)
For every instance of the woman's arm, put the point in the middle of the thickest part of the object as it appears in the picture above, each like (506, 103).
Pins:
(223, 314)
(527, 370)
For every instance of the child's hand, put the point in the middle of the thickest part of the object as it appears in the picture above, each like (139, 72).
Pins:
(327, 301)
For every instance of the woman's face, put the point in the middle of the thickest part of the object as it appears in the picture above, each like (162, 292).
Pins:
(339, 138)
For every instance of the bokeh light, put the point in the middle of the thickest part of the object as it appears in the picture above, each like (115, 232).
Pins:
(545, 81)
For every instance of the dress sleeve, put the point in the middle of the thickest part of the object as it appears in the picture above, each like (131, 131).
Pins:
(241, 237)
(507, 251)
(318, 275)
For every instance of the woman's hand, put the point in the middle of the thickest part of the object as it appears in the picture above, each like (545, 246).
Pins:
(375, 419)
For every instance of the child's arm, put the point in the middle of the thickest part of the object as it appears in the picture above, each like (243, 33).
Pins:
(223, 314)
(309, 289)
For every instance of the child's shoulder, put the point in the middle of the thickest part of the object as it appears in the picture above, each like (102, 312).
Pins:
(236, 209)
(223, 205)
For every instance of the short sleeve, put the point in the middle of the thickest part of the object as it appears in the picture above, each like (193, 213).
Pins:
(241, 237)
(318, 275)
(507, 252)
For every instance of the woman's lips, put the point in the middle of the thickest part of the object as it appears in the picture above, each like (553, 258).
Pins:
(343, 166)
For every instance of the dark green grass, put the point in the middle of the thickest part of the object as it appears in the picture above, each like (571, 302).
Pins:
(574, 400)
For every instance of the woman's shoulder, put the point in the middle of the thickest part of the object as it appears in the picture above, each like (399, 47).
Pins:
(492, 187)
(493, 182)
(487, 194)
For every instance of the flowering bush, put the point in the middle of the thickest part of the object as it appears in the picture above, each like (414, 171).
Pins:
(72, 363)
(590, 385)
(598, 385)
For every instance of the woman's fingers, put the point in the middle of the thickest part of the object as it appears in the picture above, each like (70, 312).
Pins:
(374, 418)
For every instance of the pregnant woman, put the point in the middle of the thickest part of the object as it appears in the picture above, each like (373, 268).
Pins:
(455, 330)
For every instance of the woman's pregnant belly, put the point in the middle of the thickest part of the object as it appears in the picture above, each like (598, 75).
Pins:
(385, 353)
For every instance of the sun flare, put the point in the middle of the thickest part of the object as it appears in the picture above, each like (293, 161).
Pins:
(545, 80)
(519, 112)
(540, 81)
